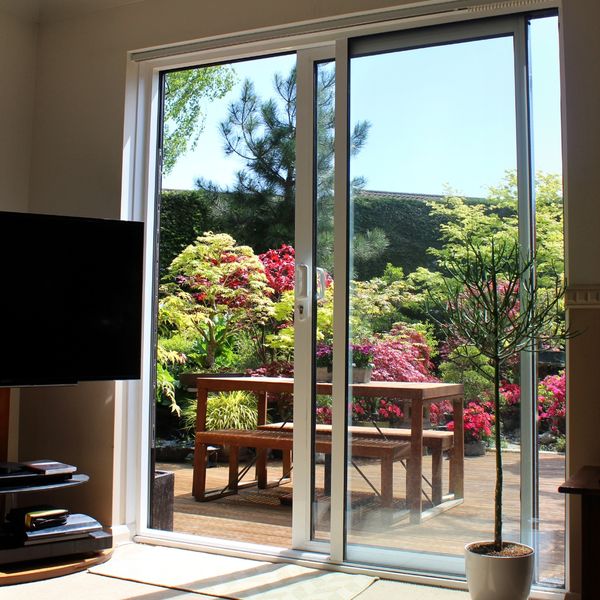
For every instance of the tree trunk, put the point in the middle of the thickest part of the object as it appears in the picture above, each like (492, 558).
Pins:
(499, 476)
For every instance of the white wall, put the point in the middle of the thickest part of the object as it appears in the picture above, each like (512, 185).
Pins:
(76, 169)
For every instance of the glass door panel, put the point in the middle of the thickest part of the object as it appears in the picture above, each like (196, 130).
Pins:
(432, 147)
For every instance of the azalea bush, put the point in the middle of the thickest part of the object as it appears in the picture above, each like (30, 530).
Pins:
(552, 404)
(375, 409)
(478, 421)
(403, 354)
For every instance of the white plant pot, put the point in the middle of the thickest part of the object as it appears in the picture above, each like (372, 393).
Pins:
(498, 577)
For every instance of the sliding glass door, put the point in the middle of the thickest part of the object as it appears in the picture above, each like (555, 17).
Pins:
(423, 146)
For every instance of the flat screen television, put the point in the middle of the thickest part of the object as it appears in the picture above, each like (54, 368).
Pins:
(70, 299)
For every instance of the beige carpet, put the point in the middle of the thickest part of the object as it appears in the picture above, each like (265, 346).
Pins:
(228, 577)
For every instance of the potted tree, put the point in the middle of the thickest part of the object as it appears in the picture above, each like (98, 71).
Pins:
(491, 302)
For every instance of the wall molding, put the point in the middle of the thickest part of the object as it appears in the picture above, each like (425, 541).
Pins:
(582, 296)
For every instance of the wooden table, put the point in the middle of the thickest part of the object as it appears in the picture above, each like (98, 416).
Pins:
(586, 483)
(418, 395)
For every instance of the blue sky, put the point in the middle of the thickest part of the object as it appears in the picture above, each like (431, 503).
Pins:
(441, 118)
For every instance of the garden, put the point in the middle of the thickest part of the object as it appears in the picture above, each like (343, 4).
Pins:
(226, 306)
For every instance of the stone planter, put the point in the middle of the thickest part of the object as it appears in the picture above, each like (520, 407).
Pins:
(498, 577)
(324, 374)
(361, 374)
(163, 496)
(475, 448)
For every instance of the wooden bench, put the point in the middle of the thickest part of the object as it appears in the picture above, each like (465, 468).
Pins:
(435, 441)
(388, 451)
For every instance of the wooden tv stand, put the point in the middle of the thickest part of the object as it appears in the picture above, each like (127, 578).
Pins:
(21, 564)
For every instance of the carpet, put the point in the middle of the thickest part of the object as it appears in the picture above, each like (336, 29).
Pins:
(228, 577)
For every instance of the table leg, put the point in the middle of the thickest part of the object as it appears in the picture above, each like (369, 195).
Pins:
(199, 478)
(457, 457)
(436, 475)
(327, 475)
(199, 475)
(234, 459)
(415, 464)
(387, 481)
(287, 463)
(261, 467)
(261, 453)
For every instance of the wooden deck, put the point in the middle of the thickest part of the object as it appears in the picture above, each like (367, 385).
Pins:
(258, 516)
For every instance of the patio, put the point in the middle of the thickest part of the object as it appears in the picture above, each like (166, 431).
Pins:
(261, 517)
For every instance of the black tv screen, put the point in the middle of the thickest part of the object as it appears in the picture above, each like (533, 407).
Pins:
(70, 299)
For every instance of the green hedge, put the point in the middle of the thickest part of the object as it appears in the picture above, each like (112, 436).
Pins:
(408, 224)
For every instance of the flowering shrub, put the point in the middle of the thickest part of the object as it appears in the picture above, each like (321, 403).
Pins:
(375, 409)
(552, 403)
(511, 393)
(324, 355)
(279, 268)
(402, 355)
(440, 413)
(478, 422)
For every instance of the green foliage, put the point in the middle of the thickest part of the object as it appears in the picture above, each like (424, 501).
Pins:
(211, 289)
(471, 369)
(225, 410)
(184, 215)
(186, 94)
(410, 226)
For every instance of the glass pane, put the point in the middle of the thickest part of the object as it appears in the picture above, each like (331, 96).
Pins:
(550, 247)
(432, 168)
(225, 298)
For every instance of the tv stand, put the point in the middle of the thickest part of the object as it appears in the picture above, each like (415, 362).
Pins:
(20, 563)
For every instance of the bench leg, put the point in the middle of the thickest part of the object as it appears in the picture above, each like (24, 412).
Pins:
(234, 459)
(199, 476)
(436, 475)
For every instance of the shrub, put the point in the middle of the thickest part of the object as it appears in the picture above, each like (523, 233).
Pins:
(478, 422)
(402, 355)
(225, 410)
(279, 268)
(552, 403)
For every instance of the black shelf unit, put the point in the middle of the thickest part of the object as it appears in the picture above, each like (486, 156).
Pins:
(12, 549)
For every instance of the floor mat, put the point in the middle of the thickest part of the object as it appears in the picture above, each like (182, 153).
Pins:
(229, 577)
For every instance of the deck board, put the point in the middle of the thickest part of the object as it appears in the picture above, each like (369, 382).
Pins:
(257, 516)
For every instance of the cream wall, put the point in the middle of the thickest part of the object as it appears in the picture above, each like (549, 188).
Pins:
(76, 169)
(18, 46)
(18, 43)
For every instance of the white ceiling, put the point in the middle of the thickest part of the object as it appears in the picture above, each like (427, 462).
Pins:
(51, 10)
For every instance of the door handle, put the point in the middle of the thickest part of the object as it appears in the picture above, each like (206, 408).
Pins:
(303, 286)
